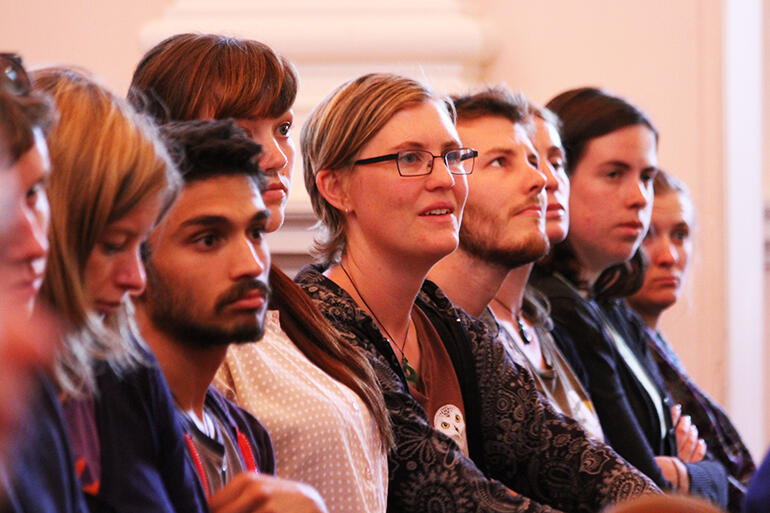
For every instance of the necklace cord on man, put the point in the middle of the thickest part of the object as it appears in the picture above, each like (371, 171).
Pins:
(523, 333)
(409, 372)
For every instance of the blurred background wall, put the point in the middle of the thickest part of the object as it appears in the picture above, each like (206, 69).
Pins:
(697, 67)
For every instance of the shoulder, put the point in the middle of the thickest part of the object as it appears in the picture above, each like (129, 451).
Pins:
(242, 422)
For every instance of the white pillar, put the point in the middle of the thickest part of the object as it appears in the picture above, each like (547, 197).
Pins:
(744, 214)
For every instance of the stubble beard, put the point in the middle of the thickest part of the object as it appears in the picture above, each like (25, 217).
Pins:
(172, 312)
(482, 237)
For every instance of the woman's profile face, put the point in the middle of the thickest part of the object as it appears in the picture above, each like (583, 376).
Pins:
(114, 268)
(276, 160)
(414, 216)
(611, 197)
(668, 246)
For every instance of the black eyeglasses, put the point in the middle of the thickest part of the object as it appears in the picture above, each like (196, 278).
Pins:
(13, 76)
(420, 162)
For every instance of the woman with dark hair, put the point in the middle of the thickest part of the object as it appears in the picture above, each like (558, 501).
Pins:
(385, 170)
(668, 247)
(611, 149)
(313, 391)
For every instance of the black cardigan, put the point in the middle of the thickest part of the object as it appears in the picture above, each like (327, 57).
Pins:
(515, 438)
(628, 416)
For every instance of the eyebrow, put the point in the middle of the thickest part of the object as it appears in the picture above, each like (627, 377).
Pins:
(215, 220)
(448, 145)
(502, 149)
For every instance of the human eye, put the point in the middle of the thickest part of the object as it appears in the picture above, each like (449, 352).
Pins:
(556, 163)
(648, 175)
(410, 157)
(111, 246)
(34, 192)
(257, 232)
(533, 160)
(680, 234)
(207, 241)
(498, 162)
(284, 128)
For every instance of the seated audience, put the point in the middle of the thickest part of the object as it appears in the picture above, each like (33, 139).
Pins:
(386, 173)
(612, 160)
(37, 472)
(668, 247)
(301, 369)
(111, 176)
(505, 229)
(207, 266)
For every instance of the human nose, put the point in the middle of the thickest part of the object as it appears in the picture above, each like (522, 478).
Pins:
(132, 278)
(440, 177)
(664, 253)
(29, 238)
(546, 169)
(250, 258)
(537, 179)
(638, 194)
(272, 159)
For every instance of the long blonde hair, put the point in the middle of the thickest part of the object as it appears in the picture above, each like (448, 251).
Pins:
(106, 160)
(339, 127)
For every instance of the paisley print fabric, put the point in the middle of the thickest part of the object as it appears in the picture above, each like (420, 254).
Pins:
(528, 458)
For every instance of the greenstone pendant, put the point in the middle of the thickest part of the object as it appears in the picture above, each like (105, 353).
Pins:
(409, 372)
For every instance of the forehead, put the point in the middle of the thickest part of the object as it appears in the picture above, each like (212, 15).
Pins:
(493, 132)
(235, 197)
(634, 144)
(673, 207)
(546, 134)
(427, 124)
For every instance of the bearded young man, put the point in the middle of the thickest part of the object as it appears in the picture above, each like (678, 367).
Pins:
(207, 266)
(517, 206)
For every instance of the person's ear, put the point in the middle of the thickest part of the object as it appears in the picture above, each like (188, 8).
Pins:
(333, 186)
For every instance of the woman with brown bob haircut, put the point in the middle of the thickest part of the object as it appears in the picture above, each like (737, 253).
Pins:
(304, 382)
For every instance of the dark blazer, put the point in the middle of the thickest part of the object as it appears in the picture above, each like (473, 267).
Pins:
(628, 416)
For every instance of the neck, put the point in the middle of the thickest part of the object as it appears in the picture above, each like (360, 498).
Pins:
(188, 370)
(383, 286)
(511, 293)
(651, 317)
(469, 282)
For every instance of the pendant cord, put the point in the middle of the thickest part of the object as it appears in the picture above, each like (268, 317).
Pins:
(523, 333)
(406, 336)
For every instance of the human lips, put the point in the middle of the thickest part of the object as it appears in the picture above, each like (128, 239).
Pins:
(555, 209)
(632, 228)
(666, 280)
(275, 190)
(251, 301)
(534, 208)
(438, 210)
(107, 306)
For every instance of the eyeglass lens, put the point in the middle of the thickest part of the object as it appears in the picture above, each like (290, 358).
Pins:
(420, 162)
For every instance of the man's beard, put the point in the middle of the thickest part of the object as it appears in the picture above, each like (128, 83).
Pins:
(481, 236)
(171, 311)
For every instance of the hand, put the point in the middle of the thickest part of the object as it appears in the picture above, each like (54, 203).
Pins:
(690, 448)
(674, 471)
(251, 492)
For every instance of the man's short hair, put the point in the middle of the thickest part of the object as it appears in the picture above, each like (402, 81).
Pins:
(20, 115)
(211, 148)
(492, 101)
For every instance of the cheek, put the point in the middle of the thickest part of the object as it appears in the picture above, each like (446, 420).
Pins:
(287, 148)
(460, 190)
